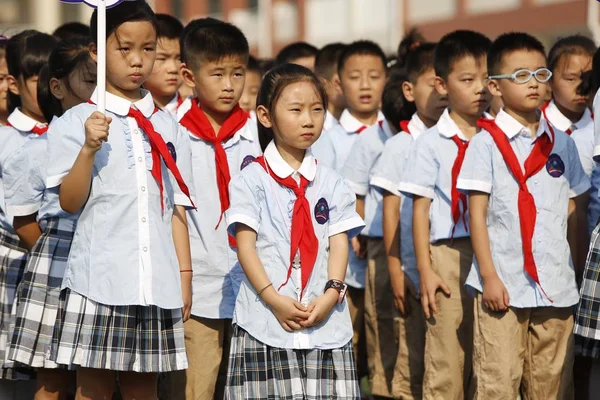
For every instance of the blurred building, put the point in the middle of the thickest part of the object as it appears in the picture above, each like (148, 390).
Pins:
(270, 24)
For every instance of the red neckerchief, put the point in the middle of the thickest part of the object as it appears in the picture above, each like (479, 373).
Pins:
(362, 128)
(198, 124)
(404, 126)
(179, 100)
(526, 203)
(159, 150)
(38, 130)
(303, 236)
(456, 195)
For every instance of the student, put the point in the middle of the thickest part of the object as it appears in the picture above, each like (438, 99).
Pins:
(165, 80)
(292, 330)
(223, 142)
(523, 178)
(440, 225)
(300, 53)
(127, 285)
(326, 68)
(66, 80)
(251, 87)
(72, 30)
(3, 82)
(26, 54)
(418, 95)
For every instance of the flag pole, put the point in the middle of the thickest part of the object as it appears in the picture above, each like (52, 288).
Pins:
(101, 42)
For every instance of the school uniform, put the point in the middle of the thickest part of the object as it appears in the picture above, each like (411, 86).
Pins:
(409, 330)
(530, 347)
(449, 337)
(265, 360)
(173, 106)
(330, 121)
(13, 255)
(120, 304)
(379, 306)
(217, 274)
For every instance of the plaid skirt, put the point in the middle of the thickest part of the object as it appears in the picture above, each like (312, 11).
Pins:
(145, 339)
(258, 371)
(587, 317)
(13, 257)
(34, 314)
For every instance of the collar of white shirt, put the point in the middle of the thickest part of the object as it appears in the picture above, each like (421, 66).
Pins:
(171, 107)
(351, 124)
(511, 127)
(416, 126)
(22, 122)
(563, 123)
(121, 106)
(330, 121)
(447, 127)
(308, 168)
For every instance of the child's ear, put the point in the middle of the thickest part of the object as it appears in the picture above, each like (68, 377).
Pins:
(407, 91)
(93, 49)
(262, 114)
(440, 86)
(13, 86)
(494, 87)
(57, 89)
(187, 75)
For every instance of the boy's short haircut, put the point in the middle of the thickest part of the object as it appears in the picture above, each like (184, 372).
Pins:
(72, 30)
(508, 43)
(361, 47)
(253, 65)
(209, 39)
(169, 27)
(294, 51)
(457, 45)
(327, 60)
(571, 45)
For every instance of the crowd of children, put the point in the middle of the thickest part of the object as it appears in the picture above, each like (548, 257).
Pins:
(281, 229)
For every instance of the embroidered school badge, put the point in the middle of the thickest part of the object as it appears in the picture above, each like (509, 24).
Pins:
(247, 161)
(322, 211)
(555, 166)
(171, 148)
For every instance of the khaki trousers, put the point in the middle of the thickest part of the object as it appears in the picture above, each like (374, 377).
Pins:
(356, 306)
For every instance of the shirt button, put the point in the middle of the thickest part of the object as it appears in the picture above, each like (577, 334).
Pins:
(145, 249)
(136, 131)
(144, 218)
(143, 188)
(140, 159)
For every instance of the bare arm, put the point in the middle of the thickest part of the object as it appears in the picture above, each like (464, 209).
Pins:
(391, 241)
(181, 240)
(27, 229)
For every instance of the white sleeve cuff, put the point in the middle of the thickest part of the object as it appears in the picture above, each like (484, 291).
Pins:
(386, 185)
(597, 152)
(55, 180)
(472, 184)
(182, 200)
(241, 219)
(580, 189)
(357, 188)
(347, 225)
(418, 190)
(22, 210)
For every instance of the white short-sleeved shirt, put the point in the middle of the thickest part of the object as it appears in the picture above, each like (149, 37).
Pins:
(123, 251)
(429, 174)
(486, 171)
(581, 131)
(173, 106)
(11, 139)
(358, 169)
(387, 175)
(330, 121)
(265, 206)
(216, 272)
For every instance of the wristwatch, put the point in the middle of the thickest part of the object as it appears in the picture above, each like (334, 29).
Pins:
(338, 285)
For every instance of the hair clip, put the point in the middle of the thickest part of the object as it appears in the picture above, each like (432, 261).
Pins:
(414, 46)
(2, 37)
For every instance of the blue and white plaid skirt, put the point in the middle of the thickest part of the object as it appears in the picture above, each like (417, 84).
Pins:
(258, 371)
(34, 315)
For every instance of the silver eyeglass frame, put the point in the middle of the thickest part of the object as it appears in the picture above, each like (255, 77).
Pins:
(513, 76)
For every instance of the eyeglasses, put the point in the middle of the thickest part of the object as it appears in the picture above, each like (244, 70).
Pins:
(524, 75)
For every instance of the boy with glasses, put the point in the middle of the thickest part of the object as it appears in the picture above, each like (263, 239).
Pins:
(523, 178)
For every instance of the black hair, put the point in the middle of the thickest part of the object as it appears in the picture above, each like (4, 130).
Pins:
(272, 86)
(575, 44)
(457, 45)
(413, 39)
(415, 56)
(266, 64)
(394, 105)
(326, 63)
(361, 47)
(208, 39)
(127, 11)
(26, 54)
(67, 57)
(294, 51)
(590, 80)
(169, 27)
(508, 43)
(253, 65)
(72, 30)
